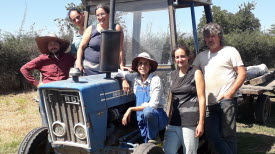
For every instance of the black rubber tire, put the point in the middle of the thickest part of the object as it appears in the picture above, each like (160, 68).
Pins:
(148, 148)
(262, 109)
(36, 142)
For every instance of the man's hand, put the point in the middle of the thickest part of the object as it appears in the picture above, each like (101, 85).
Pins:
(226, 96)
(126, 117)
(241, 75)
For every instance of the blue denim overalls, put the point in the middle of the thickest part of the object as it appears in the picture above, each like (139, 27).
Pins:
(150, 120)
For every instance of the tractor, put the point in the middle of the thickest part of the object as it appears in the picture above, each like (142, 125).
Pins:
(83, 113)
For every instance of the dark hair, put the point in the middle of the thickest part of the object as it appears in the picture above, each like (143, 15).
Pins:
(188, 52)
(73, 9)
(211, 29)
(104, 7)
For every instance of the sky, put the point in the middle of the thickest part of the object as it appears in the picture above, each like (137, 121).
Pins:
(41, 13)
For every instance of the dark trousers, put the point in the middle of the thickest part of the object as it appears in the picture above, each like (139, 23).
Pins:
(220, 126)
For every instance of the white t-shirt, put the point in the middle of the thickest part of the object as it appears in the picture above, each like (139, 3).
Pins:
(218, 70)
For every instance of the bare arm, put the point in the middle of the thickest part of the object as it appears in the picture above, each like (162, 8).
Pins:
(121, 54)
(84, 42)
(200, 86)
(237, 84)
(27, 69)
(127, 115)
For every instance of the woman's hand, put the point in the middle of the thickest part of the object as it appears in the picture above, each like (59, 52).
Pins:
(126, 86)
(78, 64)
(126, 117)
(124, 68)
(40, 84)
(199, 130)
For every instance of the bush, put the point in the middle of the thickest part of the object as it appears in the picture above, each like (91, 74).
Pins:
(254, 47)
(15, 51)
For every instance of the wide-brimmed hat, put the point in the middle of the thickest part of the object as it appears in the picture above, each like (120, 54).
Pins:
(145, 55)
(42, 43)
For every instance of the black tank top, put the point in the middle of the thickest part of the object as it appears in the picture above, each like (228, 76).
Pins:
(185, 111)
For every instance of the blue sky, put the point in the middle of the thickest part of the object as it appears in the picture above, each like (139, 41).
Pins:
(42, 13)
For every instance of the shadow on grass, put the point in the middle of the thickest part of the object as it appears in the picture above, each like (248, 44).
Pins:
(254, 143)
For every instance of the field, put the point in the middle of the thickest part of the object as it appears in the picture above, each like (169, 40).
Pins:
(19, 114)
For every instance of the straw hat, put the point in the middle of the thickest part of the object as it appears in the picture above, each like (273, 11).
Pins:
(42, 43)
(145, 55)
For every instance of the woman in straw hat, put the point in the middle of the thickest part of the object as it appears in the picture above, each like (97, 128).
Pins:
(149, 97)
(54, 64)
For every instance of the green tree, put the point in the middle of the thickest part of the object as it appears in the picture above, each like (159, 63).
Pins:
(242, 30)
(254, 47)
(245, 19)
(222, 17)
(271, 31)
(241, 21)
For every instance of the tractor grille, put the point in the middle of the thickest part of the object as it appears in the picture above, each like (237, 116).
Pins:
(65, 106)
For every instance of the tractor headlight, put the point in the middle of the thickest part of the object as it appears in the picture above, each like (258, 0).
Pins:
(59, 128)
(80, 131)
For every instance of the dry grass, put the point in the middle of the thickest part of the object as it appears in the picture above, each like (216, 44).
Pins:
(18, 115)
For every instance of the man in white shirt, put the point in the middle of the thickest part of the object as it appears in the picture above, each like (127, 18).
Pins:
(224, 74)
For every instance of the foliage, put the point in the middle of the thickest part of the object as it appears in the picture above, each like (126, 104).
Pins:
(272, 30)
(245, 19)
(254, 47)
(15, 51)
(222, 17)
(241, 21)
(242, 30)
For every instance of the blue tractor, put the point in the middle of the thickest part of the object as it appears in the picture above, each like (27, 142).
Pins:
(83, 114)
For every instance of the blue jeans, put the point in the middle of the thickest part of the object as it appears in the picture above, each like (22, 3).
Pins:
(153, 121)
(220, 126)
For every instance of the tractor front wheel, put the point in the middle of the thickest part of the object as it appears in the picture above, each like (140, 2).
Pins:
(148, 148)
(36, 141)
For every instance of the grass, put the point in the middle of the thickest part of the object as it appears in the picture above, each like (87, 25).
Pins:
(19, 114)
(257, 139)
